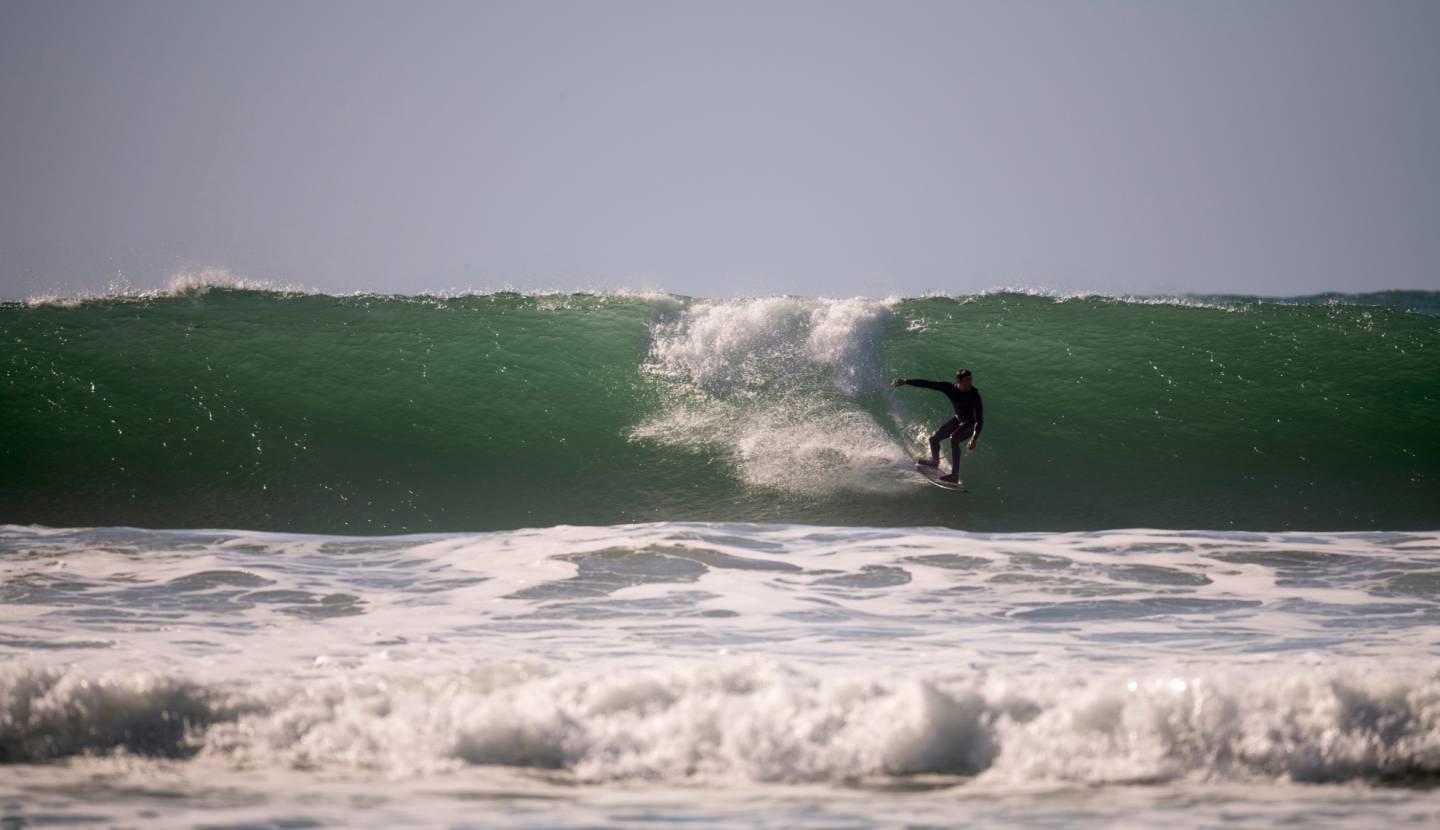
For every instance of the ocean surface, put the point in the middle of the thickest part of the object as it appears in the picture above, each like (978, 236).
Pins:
(283, 559)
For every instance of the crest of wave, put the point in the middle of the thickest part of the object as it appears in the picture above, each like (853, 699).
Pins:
(188, 282)
(192, 281)
(725, 348)
(774, 382)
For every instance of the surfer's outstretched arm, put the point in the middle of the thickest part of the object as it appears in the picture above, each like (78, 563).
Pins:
(938, 386)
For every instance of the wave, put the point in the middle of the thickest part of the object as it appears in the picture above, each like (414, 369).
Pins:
(217, 405)
(187, 282)
(756, 721)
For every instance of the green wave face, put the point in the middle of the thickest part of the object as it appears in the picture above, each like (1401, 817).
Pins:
(251, 409)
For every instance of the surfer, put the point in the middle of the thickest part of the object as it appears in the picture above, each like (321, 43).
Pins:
(969, 419)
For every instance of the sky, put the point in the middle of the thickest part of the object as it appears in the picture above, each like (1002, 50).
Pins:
(722, 148)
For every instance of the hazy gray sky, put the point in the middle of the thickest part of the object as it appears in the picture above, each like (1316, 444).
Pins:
(723, 148)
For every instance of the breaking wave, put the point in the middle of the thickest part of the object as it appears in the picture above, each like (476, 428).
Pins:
(213, 404)
(758, 721)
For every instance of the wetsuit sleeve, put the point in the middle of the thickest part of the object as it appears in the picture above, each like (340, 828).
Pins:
(979, 414)
(927, 384)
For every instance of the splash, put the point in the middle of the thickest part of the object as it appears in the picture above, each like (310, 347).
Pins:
(773, 383)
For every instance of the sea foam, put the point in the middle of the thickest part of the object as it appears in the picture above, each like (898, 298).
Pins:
(749, 721)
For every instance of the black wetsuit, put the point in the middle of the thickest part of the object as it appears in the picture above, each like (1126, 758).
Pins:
(969, 419)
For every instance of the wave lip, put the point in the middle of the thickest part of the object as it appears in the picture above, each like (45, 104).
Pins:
(728, 347)
(188, 282)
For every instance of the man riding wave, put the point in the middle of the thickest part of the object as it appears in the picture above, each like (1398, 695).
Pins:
(968, 421)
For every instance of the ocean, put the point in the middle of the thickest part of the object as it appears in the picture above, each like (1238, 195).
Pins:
(285, 559)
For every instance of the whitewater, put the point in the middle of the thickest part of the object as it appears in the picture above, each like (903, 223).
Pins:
(283, 559)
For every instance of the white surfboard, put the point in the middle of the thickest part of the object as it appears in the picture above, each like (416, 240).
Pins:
(932, 475)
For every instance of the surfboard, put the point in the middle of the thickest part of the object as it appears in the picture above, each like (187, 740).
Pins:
(932, 475)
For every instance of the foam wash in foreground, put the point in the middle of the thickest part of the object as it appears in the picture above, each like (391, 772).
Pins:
(738, 661)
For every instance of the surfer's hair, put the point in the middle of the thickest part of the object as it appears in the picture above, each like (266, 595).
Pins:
(962, 374)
